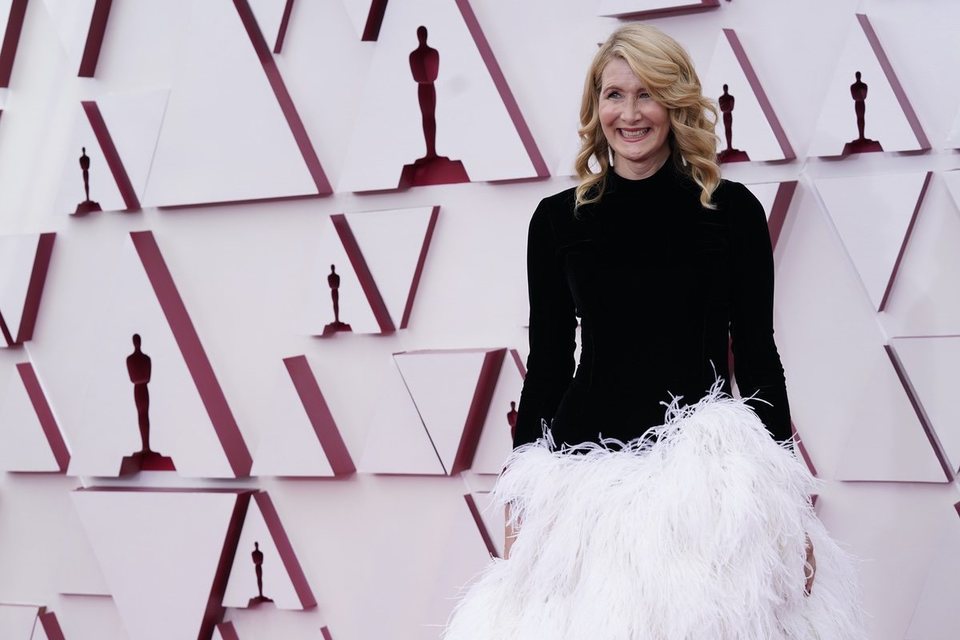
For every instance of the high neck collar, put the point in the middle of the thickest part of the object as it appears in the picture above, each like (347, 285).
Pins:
(618, 184)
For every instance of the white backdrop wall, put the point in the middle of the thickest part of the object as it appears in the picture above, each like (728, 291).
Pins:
(383, 554)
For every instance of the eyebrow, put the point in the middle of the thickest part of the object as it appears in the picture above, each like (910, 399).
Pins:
(610, 87)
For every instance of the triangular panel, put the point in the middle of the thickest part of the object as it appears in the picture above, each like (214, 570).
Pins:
(71, 21)
(480, 134)
(78, 571)
(17, 621)
(164, 555)
(647, 9)
(225, 631)
(225, 136)
(452, 390)
(47, 627)
(496, 440)
(894, 532)
(874, 215)
(12, 13)
(270, 16)
(460, 553)
(341, 277)
(898, 449)
(394, 245)
(31, 438)
(936, 616)
(134, 121)
(89, 146)
(856, 420)
(888, 117)
(397, 442)
(924, 298)
(488, 519)
(953, 140)
(304, 439)
(189, 420)
(952, 179)
(264, 542)
(754, 130)
(929, 368)
(366, 17)
(24, 260)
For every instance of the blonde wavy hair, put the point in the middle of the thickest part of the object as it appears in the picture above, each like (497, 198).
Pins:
(668, 74)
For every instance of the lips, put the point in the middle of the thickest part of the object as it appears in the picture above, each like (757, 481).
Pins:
(634, 134)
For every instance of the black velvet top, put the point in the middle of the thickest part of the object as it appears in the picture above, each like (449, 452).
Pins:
(661, 284)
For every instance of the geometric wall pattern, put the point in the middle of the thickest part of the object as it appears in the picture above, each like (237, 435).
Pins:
(758, 134)
(368, 266)
(182, 540)
(441, 401)
(305, 440)
(12, 13)
(469, 103)
(281, 581)
(874, 216)
(197, 431)
(17, 621)
(933, 617)
(775, 198)
(32, 440)
(314, 471)
(47, 627)
(886, 107)
(225, 85)
(24, 260)
(925, 364)
(647, 9)
(80, 27)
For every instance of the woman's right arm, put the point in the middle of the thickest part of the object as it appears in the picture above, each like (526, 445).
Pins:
(552, 335)
(552, 330)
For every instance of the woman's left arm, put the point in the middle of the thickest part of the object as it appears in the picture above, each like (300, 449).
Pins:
(757, 365)
(756, 361)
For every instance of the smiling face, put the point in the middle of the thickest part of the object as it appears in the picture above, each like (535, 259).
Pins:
(636, 127)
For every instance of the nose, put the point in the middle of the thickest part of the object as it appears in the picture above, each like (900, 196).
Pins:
(631, 112)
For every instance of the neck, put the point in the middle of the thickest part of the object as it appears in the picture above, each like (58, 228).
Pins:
(641, 170)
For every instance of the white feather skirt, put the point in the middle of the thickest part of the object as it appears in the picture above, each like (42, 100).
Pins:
(694, 531)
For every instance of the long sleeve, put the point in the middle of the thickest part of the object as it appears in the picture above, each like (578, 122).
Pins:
(757, 365)
(552, 330)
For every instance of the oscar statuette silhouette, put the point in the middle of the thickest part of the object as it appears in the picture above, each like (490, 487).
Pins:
(729, 154)
(858, 91)
(139, 369)
(431, 168)
(88, 205)
(512, 419)
(257, 556)
(333, 281)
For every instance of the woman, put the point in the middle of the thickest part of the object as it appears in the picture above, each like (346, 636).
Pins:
(701, 527)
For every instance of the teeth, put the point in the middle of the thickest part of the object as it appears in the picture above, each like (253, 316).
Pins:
(635, 134)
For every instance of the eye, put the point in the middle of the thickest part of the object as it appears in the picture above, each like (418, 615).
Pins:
(613, 94)
(644, 95)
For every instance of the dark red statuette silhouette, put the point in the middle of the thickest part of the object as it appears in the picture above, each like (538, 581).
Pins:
(512, 418)
(88, 205)
(140, 368)
(431, 168)
(858, 91)
(333, 281)
(257, 556)
(729, 154)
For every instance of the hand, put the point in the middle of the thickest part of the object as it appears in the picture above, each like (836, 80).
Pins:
(509, 535)
(810, 568)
